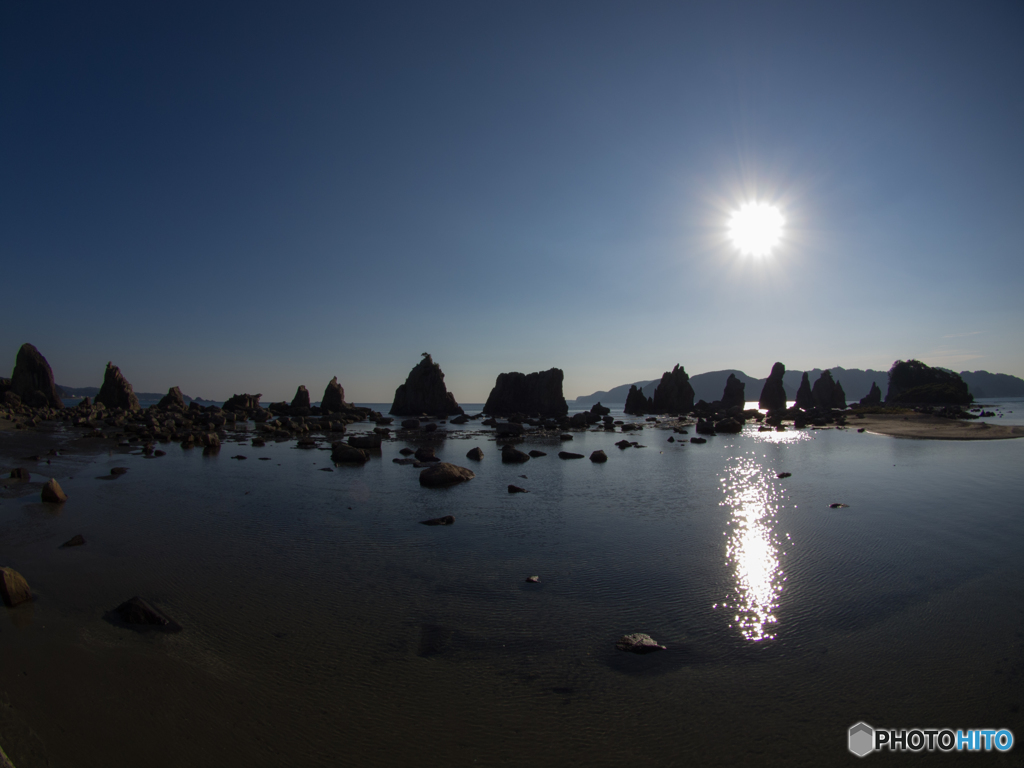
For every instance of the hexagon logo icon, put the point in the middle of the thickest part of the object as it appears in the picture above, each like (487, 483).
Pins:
(862, 737)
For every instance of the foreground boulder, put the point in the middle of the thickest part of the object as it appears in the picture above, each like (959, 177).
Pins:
(638, 642)
(116, 392)
(424, 391)
(475, 454)
(53, 493)
(912, 381)
(32, 380)
(510, 455)
(531, 393)
(773, 393)
(137, 611)
(599, 457)
(443, 474)
(342, 453)
(173, 399)
(735, 393)
(13, 588)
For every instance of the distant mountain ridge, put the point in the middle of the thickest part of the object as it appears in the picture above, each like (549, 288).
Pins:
(856, 384)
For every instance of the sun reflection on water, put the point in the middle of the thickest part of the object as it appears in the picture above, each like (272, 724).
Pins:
(752, 547)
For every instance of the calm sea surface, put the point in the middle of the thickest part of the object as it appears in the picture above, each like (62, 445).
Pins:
(325, 626)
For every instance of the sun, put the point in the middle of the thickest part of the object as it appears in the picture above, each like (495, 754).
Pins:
(756, 228)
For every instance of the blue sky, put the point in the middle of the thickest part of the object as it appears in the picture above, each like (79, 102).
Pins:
(254, 196)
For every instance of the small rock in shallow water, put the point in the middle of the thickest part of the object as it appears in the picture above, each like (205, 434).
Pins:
(13, 587)
(838, 505)
(567, 455)
(19, 473)
(599, 457)
(475, 454)
(533, 579)
(138, 611)
(784, 474)
(74, 541)
(443, 474)
(446, 520)
(537, 454)
(119, 470)
(638, 643)
(407, 451)
(861, 429)
(326, 469)
(239, 456)
(698, 440)
(516, 489)
(52, 492)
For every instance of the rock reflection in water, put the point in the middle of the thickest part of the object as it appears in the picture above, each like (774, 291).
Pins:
(752, 548)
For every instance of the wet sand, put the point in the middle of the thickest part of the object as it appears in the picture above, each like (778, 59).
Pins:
(919, 426)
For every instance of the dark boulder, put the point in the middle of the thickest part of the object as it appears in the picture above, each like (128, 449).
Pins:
(443, 474)
(20, 473)
(365, 442)
(341, 453)
(874, 397)
(804, 396)
(446, 520)
(424, 391)
(637, 404)
(600, 410)
(411, 424)
(531, 393)
(674, 394)
(638, 643)
(568, 455)
(773, 393)
(301, 399)
(535, 454)
(116, 392)
(475, 454)
(138, 611)
(53, 493)
(510, 455)
(13, 588)
(173, 399)
(729, 426)
(334, 398)
(735, 393)
(516, 489)
(75, 541)
(599, 457)
(32, 380)
(423, 453)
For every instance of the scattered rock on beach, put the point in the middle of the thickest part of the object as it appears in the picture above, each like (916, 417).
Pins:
(342, 453)
(424, 453)
(599, 457)
(20, 473)
(13, 587)
(475, 454)
(446, 520)
(444, 474)
(568, 455)
(698, 440)
(75, 541)
(138, 611)
(118, 471)
(53, 493)
(638, 643)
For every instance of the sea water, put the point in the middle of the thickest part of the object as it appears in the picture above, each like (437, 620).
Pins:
(323, 625)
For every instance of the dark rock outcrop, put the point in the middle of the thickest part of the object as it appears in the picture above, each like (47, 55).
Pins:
(839, 397)
(637, 404)
(599, 409)
(674, 394)
(475, 454)
(77, 540)
(342, 453)
(824, 392)
(173, 399)
(735, 393)
(116, 392)
(243, 403)
(912, 381)
(301, 399)
(510, 455)
(443, 474)
(424, 391)
(804, 396)
(32, 380)
(874, 397)
(773, 393)
(334, 398)
(569, 455)
(530, 393)
(599, 457)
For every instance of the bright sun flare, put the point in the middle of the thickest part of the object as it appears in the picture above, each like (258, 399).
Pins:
(756, 228)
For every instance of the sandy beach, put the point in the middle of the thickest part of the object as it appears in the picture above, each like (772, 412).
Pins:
(918, 426)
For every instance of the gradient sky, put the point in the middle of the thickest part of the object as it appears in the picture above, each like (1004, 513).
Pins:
(252, 196)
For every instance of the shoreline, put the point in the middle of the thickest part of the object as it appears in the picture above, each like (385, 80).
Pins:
(919, 426)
